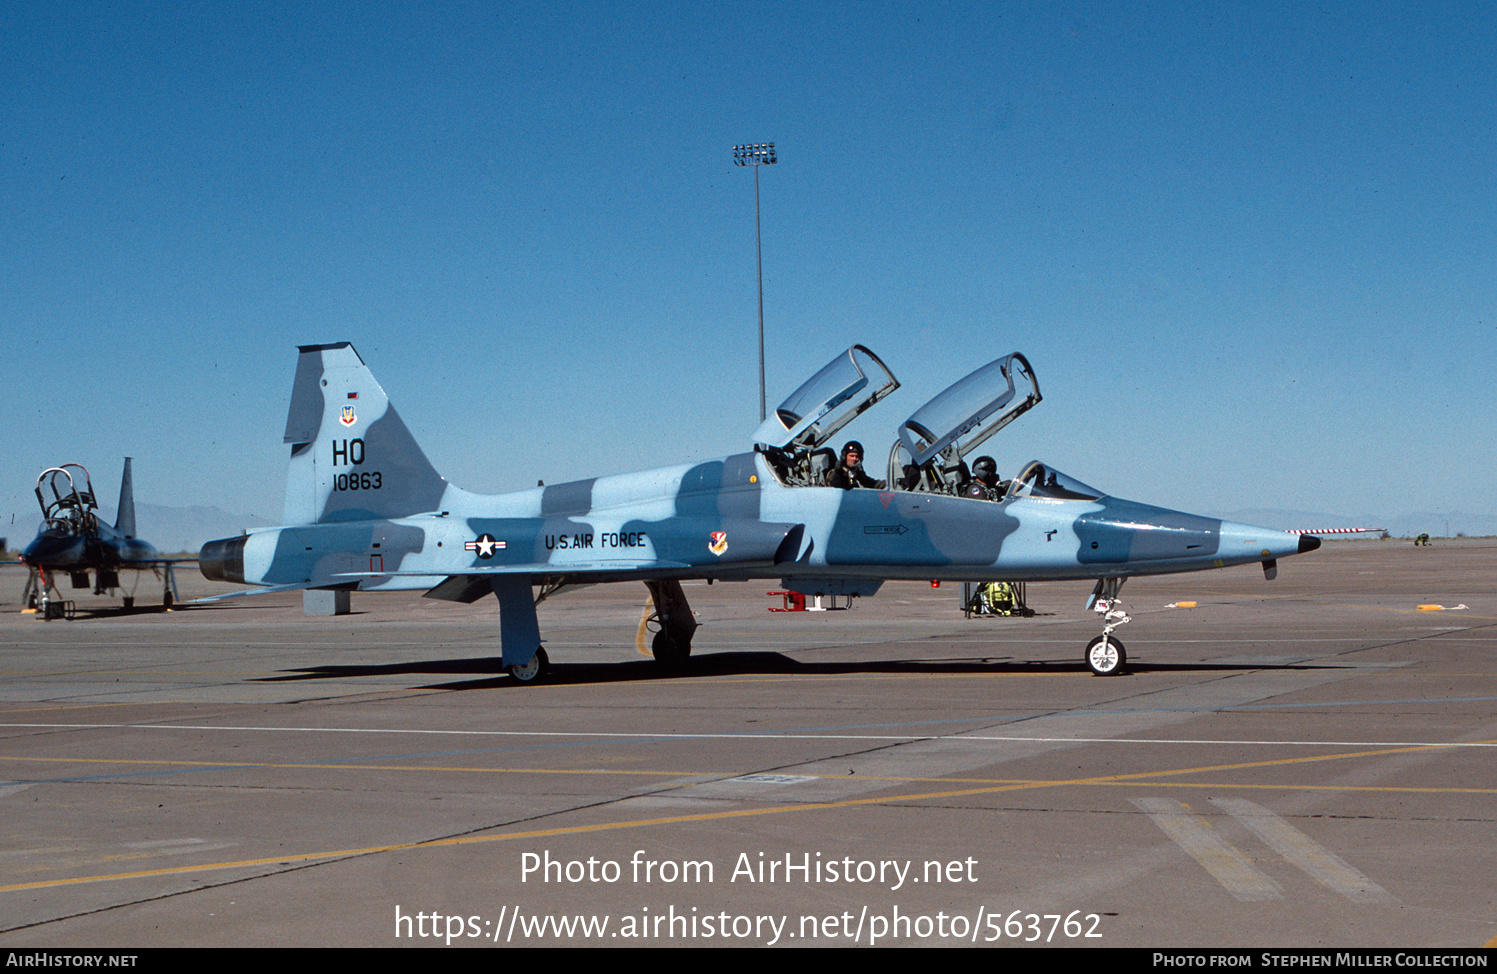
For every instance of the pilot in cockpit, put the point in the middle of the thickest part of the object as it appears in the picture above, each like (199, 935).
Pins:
(984, 484)
(850, 473)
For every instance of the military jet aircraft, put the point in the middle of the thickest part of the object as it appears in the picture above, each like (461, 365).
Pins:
(366, 510)
(72, 539)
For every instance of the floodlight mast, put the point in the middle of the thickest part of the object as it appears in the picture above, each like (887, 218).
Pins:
(755, 155)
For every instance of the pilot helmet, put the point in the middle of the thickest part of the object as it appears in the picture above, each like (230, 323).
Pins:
(853, 446)
(985, 467)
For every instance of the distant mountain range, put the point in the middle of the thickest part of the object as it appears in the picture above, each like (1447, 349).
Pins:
(186, 529)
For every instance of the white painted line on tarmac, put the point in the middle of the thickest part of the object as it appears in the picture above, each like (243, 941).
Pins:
(1322, 865)
(1215, 854)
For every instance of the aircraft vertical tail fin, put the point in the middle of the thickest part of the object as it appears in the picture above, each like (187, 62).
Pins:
(124, 522)
(352, 458)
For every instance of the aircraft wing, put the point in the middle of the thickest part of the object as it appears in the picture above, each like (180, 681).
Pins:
(609, 569)
(473, 583)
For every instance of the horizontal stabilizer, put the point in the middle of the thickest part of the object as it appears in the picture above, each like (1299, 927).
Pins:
(260, 590)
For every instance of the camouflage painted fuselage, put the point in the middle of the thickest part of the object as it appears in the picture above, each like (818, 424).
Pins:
(730, 519)
(366, 510)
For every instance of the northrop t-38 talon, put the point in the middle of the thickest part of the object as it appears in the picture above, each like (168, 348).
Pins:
(72, 539)
(366, 510)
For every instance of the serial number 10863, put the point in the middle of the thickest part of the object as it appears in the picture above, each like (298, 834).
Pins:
(365, 480)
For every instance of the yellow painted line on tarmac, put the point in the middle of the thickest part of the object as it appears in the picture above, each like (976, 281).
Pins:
(1118, 779)
(1147, 777)
(510, 836)
(681, 819)
(1274, 762)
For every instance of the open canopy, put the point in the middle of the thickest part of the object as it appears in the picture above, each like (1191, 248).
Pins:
(832, 398)
(970, 410)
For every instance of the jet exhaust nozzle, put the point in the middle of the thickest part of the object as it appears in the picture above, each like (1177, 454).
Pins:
(223, 561)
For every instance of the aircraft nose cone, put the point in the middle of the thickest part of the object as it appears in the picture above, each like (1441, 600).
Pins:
(1246, 540)
(53, 551)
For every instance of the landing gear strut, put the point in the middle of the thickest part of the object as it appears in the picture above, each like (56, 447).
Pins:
(1105, 654)
(672, 644)
(518, 629)
(169, 595)
(42, 597)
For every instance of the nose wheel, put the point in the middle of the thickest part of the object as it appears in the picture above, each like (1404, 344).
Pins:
(1105, 654)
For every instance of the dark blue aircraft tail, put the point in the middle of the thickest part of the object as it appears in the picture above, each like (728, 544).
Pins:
(352, 458)
(125, 522)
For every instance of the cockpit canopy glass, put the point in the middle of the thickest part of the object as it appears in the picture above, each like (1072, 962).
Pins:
(849, 384)
(72, 503)
(1038, 480)
(970, 410)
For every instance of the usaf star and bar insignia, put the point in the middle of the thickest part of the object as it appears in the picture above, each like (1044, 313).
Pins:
(485, 545)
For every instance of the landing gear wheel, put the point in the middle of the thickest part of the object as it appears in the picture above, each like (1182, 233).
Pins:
(129, 601)
(1106, 659)
(532, 671)
(668, 651)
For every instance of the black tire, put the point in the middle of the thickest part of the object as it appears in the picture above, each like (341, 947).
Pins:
(1109, 661)
(533, 671)
(668, 651)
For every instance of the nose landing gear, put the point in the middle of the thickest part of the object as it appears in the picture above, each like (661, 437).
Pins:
(1105, 655)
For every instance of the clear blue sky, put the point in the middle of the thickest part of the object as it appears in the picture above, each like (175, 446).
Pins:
(1249, 248)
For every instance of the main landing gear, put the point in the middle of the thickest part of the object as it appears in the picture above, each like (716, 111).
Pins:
(533, 670)
(1105, 654)
(519, 629)
(672, 643)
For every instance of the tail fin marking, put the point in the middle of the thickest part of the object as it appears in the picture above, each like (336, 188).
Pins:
(352, 457)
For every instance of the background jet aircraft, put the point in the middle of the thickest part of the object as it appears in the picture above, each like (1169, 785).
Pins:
(366, 510)
(72, 539)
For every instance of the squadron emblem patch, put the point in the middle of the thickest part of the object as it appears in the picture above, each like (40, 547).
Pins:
(719, 542)
(347, 417)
